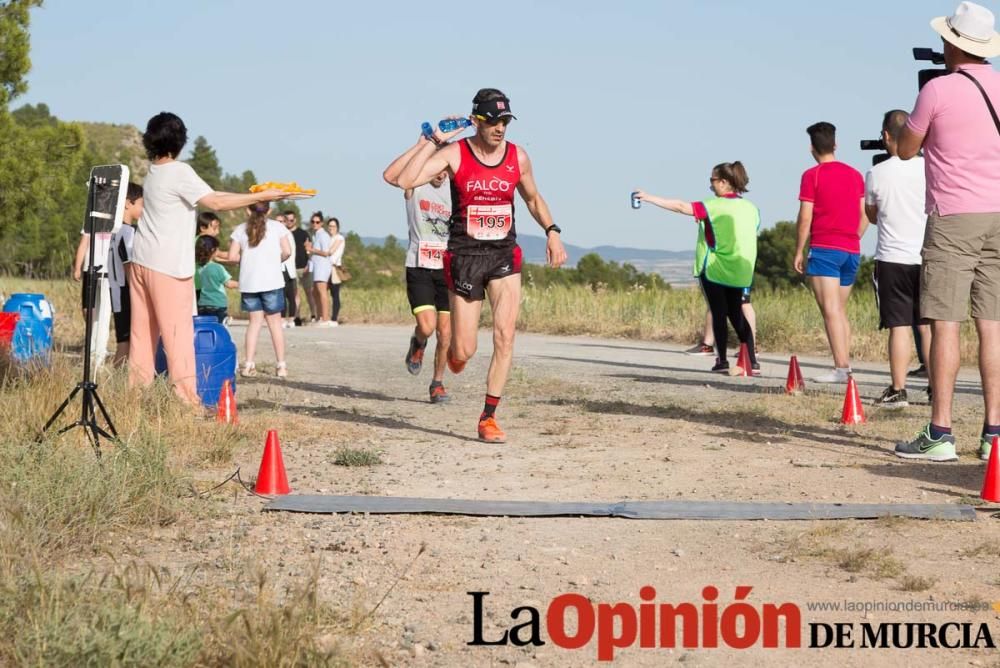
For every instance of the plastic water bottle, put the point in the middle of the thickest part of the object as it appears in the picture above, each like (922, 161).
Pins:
(636, 202)
(452, 124)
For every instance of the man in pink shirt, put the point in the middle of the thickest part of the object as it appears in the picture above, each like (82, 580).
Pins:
(955, 123)
(832, 220)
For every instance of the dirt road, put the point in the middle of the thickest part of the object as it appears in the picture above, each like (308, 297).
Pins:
(603, 420)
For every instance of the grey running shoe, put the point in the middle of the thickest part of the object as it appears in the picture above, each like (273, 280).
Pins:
(924, 447)
(986, 446)
(701, 350)
(415, 356)
(721, 366)
(892, 398)
(439, 395)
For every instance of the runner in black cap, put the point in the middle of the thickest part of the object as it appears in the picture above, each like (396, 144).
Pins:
(483, 258)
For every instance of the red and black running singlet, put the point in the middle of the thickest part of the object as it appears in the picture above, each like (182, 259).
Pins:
(482, 219)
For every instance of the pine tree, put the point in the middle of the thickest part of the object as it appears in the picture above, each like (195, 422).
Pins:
(206, 163)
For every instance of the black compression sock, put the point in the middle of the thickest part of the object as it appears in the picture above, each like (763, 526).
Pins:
(490, 406)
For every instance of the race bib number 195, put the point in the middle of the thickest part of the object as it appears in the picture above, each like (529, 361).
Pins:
(489, 223)
(430, 254)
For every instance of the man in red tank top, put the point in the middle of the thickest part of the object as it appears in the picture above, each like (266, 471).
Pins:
(483, 258)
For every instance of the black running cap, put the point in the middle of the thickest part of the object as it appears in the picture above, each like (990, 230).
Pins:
(493, 109)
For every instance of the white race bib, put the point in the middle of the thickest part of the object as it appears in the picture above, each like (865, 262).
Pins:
(490, 222)
(430, 254)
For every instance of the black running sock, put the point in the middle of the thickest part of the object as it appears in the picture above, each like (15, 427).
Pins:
(490, 407)
(991, 429)
(937, 432)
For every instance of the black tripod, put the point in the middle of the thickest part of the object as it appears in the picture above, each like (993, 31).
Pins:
(91, 400)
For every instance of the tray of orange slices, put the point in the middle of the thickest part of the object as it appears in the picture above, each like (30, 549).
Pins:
(294, 190)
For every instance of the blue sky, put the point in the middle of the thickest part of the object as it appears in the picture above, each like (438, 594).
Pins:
(609, 95)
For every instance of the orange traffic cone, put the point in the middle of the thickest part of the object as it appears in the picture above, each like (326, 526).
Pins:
(794, 384)
(227, 405)
(991, 482)
(742, 367)
(271, 478)
(853, 412)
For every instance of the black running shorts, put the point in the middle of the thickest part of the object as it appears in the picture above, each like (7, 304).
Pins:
(426, 289)
(897, 291)
(467, 275)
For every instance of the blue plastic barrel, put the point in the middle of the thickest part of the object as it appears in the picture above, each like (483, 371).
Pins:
(32, 340)
(214, 358)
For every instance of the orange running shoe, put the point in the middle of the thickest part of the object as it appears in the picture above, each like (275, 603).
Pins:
(490, 431)
(454, 365)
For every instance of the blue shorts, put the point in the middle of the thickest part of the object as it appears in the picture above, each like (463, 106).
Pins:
(270, 302)
(833, 264)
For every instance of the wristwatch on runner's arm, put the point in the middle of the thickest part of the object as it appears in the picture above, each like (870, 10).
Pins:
(553, 228)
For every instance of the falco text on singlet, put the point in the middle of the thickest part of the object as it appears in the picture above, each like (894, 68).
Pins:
(493, 185)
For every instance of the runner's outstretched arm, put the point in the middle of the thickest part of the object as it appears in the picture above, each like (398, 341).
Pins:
(675, 205)
(555, 253)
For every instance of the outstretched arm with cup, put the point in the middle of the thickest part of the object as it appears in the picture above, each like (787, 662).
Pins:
(675, 205)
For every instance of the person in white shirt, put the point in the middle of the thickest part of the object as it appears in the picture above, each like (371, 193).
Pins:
(262, 246)
(161, 274)
(319, 266)
(337, 245)
(894, 202)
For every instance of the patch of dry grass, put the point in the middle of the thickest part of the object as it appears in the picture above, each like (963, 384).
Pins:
(788, 321)
(63, 512)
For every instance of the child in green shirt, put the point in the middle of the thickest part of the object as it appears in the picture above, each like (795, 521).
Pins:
(213, 278)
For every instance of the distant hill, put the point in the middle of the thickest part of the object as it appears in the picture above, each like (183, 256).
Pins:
(117, 144)
(673, 266)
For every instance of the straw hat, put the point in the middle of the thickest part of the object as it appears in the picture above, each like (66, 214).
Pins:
(971, 29)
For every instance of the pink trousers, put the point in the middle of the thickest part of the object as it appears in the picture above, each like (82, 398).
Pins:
(162, 307)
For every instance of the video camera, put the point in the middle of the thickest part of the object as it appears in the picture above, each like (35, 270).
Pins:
(923, 76)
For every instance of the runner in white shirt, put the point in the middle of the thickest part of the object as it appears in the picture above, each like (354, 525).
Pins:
(428, 210)
(894, 201)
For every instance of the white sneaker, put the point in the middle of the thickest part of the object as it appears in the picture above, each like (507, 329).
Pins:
(835, 376)
(334, 323)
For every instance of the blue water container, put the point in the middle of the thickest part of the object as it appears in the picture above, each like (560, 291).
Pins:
(214, 358)
(32, 340)
(43, 309)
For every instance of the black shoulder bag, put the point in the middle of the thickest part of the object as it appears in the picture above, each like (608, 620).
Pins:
(993, 112)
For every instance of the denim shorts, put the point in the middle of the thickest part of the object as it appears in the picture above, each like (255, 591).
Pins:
(270, 302)
(833, 264)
